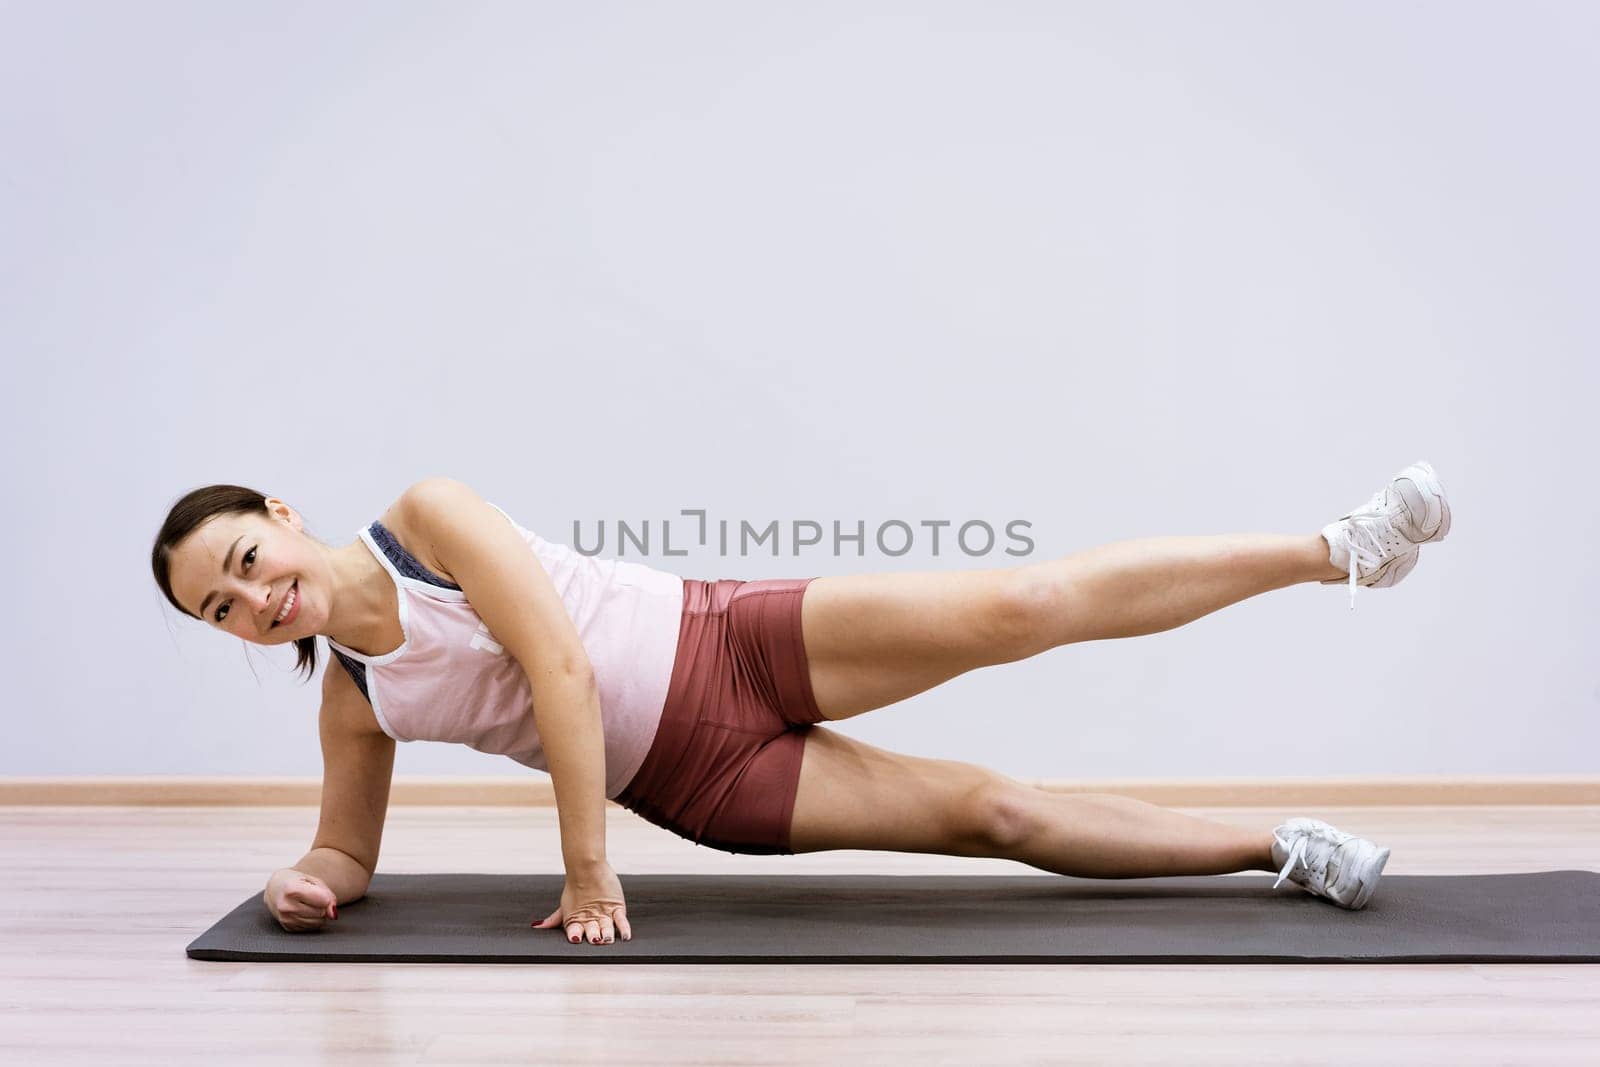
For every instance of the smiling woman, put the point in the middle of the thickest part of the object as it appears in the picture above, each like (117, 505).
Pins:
(699, 705)
(246, 556)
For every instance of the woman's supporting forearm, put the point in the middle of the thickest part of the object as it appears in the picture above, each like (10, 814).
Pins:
(567, 712)
(343, 874)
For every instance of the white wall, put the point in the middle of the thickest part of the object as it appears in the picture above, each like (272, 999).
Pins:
(1115, 269)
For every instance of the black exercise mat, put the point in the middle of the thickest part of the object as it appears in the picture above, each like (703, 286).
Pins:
(1548, 917)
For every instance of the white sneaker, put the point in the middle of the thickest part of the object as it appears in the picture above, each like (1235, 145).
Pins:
(1328, 862)
(1377, 542)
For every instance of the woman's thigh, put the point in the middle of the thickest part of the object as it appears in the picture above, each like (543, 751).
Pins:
(854, 795)
(873, 640)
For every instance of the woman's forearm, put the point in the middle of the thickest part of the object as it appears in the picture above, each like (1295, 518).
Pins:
(342, 873)
(567, 712)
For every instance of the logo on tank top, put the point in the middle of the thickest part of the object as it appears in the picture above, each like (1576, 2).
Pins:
(485, 640)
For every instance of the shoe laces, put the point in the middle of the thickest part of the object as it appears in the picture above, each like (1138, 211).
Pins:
(1313, 847)
(1364, 535)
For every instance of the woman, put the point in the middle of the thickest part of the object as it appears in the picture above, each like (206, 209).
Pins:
(696, 704)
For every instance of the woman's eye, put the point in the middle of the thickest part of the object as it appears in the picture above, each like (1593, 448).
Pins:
(221, 611)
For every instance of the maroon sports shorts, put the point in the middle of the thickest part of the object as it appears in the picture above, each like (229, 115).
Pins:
(725, 761)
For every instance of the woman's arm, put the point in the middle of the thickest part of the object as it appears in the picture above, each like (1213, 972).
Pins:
(567, 710)
(514, 596)
(357, 767)
(357, 763)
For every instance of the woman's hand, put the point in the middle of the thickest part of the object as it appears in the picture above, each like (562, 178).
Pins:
(300, 901)
(591, 908)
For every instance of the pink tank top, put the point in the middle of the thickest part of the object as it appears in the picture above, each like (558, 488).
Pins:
(450, 680)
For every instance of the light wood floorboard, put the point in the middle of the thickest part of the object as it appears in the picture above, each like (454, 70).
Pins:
(100, 903)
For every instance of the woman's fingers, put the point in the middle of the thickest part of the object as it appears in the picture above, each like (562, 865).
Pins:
(299, 901)
(310, 899)
(309, 903)
(579, 930)
(578, 926)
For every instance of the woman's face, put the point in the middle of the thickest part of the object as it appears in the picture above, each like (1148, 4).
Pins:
(235, 573)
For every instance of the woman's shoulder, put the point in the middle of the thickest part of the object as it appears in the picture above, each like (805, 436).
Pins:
(395, 520)
(421, 508)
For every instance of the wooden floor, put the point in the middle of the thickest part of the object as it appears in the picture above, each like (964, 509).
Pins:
(101, 901)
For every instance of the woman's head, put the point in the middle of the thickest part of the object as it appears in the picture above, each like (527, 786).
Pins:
(228, 556)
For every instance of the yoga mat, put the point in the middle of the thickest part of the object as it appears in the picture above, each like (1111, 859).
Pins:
(1546, 917)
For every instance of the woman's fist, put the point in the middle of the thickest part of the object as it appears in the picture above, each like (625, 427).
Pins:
(300, 901)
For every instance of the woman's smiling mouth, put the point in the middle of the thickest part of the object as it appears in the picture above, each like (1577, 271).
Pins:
(291, 606)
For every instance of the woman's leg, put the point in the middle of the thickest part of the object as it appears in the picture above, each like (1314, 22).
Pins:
(1152, 584)
(853, 795)
(1102, 835)
(875, 639)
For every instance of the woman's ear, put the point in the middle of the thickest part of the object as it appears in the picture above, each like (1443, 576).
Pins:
(282, 512)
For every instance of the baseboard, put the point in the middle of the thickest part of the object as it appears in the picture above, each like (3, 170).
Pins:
(1498, 790)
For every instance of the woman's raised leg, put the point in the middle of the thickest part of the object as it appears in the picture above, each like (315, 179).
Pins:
(876, 639)
(1152, 584)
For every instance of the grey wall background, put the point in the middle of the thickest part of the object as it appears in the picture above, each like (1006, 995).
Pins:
(1113, 269)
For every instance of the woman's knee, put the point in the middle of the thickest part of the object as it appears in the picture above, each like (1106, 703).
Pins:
(999, 812)
(1027, 607)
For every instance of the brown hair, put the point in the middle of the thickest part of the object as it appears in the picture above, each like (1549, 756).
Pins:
(195, 508)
